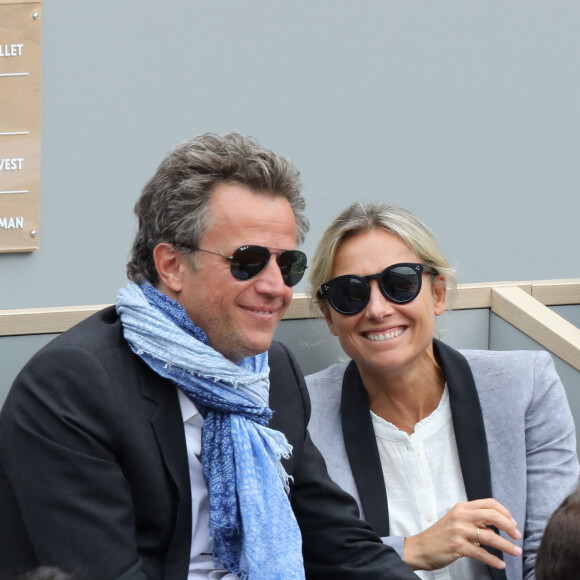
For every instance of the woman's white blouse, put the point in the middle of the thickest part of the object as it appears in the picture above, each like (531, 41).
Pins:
(424, 481)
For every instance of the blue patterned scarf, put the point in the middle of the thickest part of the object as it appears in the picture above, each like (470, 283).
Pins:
(254, 532)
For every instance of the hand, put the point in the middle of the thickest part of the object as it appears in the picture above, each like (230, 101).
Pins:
(455, 535)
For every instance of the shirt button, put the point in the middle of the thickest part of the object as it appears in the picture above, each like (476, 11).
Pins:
(428, 518)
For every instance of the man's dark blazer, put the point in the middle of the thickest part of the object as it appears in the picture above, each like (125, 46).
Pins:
(94, 474)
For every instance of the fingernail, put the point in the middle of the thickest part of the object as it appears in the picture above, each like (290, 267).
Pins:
(517, 551)
(518, 534)
(514, 521)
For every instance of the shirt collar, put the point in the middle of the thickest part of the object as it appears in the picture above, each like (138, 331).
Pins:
(189, 412)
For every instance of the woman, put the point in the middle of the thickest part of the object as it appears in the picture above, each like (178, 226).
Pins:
(456, 446)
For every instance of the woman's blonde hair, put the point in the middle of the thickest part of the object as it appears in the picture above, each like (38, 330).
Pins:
(362, 217)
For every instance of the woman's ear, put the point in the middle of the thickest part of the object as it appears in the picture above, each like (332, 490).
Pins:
(325, 309)
(169, 265)
(439, 294)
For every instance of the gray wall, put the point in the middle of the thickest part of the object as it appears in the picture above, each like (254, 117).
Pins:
(464, 112)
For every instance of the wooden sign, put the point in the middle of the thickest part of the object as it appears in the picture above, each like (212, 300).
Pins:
(20, 68)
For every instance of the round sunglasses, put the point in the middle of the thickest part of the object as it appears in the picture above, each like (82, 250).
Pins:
(248, 261)
(399, 283)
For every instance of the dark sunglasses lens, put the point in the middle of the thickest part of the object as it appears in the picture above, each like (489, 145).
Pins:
(249, 261)
(401, 284)
(348, 294)
(292, 264)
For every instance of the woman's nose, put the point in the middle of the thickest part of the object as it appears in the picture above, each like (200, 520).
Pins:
(378, 306)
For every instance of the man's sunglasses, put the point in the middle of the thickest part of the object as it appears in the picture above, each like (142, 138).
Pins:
(248, 261)
(399, 283)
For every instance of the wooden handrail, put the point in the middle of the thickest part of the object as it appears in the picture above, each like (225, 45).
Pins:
(522, 304)
(536, 320)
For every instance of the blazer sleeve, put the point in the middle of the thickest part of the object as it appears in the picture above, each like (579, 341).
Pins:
(552, 463)
(60, 481)
(336, 542)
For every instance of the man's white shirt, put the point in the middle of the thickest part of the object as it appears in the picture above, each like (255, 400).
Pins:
(201, 565)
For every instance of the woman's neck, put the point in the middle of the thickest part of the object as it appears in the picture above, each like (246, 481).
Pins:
(405, 396)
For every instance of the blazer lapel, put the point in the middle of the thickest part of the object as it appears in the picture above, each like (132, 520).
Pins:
(362, 451)
(167, 424)
(467, 422)
(469, 430)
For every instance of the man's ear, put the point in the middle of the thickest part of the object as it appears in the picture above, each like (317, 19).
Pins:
(169, 263)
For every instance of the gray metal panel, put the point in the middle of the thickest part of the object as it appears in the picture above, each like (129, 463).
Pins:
(465, 328)
(504, 336)
(14, 353)
(311, 342)
(570, 312)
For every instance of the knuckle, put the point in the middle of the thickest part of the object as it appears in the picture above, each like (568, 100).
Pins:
(456, 544)
(456, 513)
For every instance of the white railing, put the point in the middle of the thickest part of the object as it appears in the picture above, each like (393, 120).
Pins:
(525, 305)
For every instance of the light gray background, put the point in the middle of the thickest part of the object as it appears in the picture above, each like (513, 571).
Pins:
(467, 113)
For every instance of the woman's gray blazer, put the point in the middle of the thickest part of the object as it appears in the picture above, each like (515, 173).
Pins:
(514, 430)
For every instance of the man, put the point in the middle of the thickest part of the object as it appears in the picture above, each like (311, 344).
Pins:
(166, 437)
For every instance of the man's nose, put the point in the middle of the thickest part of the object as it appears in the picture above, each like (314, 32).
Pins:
(270, 278)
